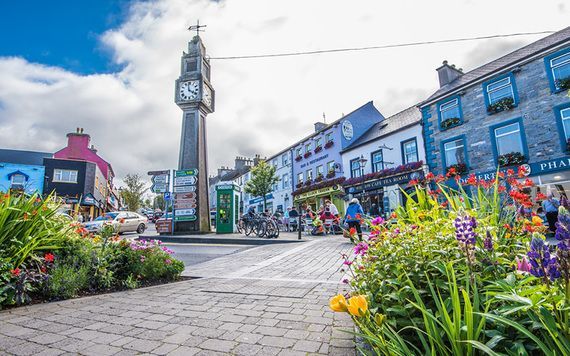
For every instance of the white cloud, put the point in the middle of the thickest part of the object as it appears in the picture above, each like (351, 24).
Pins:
(263, 105)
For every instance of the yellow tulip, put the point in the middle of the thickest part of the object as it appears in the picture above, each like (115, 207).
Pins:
(357, 305)
(338, 303)
(536, 221)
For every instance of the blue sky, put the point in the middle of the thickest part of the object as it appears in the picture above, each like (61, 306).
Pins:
(62, 33)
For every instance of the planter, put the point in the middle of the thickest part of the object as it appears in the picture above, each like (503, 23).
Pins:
(404, 168)
(319, 178)
(501, 105)
(298, 158)
(320, 185)
(331, 174)
(511, 159)
(456, 169)
(299, 185)
(329, 144)
(449, 123)
(318, 149)
(563, 83)
(307, 154)
(308, 182)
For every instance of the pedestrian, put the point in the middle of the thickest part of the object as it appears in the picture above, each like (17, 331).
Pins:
(332, 207)
(79, 218)
(353, 215)
(286, 218)
(550, 206)
(293, 218)
(374, 211)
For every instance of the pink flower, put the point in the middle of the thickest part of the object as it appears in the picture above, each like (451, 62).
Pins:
(142, 258)
(347, 262)
(361, 248)
(345, 281)
(378, 220)
(523, 265)
(167, 261)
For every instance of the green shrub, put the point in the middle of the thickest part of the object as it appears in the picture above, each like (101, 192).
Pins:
(67, 280)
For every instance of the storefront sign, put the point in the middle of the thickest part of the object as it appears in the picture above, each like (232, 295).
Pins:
(225, 187)
(315, 160)
(347, 130)
(322, 191)
(260, 199)
(375, 184)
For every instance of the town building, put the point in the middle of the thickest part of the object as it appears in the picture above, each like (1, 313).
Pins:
(511, 111)
(317, 164)
(227, 175)
(22, 170)
(281, 197)
(380, 164)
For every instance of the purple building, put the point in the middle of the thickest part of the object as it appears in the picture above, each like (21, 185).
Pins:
(317, 164)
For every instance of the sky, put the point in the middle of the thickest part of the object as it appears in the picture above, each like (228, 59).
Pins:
(109, 66)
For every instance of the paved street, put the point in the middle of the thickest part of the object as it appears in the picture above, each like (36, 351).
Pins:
(264, 300)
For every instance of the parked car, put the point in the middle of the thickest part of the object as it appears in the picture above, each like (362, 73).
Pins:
(123, 221)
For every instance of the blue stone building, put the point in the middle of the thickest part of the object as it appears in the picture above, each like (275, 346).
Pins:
(22, 170)
(514, 110)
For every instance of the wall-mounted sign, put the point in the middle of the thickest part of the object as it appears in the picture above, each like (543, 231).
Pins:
(375, 184)
(322, 191)
(347, 130)
(315, 160)
(260, 199)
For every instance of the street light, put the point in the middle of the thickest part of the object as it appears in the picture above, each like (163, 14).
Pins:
(362, 162)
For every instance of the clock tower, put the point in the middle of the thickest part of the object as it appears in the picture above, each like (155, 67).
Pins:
(195, 96)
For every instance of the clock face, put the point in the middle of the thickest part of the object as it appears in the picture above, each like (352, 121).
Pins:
(207, 96)
(189, 90)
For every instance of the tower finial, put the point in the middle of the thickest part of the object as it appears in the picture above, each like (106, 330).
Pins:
(197, 27)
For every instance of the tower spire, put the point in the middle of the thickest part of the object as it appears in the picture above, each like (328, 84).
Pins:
(197, 27)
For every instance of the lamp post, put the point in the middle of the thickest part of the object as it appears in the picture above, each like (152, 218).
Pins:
(362, 162)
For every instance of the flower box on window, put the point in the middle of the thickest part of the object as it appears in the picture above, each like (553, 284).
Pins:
(511, 159)
(568, 145)
(318, 149)
(307, 154)
(456, 169)
(329, 144)
(451, 122)
(563, 83)
(319, 178)
(501, 105)
(308, 182)
(331, 173)
(298, 158)
(299, 185)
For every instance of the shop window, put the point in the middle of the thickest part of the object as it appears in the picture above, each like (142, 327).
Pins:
(558, 70)
(308, 147)
(285, 181)
(355, 168)
(410, 151)
(454, 154)
(64, 176)
(377, 159)
(309, 174)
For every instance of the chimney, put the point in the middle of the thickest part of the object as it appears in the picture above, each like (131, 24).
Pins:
(448, 73)
(241, 162)
(93, 149)
(257, 159)
(78, 139)
(319, 126)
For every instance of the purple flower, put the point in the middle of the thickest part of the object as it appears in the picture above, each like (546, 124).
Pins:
(361, 248)
(523, 265)
(488, 242)
(347, 262)
(345, 281)
(378, 220)
(167, 261)
(563, 231)
(465, 229)
(543, 263)
(564, 202)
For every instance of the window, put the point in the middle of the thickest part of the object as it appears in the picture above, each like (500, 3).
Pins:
(499, 90)
(275, 187)
(320, 170)
(328, 137)
(560, 68)
(355, 168)
(300, 177)
(508, 139)
(330, 166)
(285, 181)
(449, 113)
(64, 176)
(192, 65)
(274, 163)
(308, 147)
(18, 181)
(377, 161)
(285, 159)
(309, 174)
(299, 151)
(318, 142)
(410, 151)
(454, 152)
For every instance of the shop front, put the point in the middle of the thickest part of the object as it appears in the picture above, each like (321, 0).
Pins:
(381, 196)
(316, 198)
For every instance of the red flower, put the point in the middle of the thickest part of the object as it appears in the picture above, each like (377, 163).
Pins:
(25, 216)
(43, 269)
(358, 217)
(522, 171)
(440, 178)
(528, 182)
(540, 196)
(501, 175)
(510, 172)
(393, 215)
(48, 257)
(472, 180)
(15, 272)
(352, 231)
(430, 176)
(444, 204)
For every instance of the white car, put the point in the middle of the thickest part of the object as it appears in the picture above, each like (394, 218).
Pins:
(123, 221)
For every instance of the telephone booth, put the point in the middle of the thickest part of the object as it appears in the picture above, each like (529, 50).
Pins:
(227, 214)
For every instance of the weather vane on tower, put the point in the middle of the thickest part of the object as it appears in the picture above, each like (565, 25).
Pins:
(197, 27)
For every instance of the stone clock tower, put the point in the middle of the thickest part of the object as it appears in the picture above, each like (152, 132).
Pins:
(195, 96)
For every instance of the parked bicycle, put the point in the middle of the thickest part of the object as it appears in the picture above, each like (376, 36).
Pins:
(258, 224)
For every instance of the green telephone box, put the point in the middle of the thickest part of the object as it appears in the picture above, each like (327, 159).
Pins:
(227, 208)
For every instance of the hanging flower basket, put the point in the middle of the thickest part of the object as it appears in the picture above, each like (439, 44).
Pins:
(329, 144)
(451, 122)
(456, 169)
(331, 174)
(318, 149)
(298, 158)
(501, 105)
(307, 154)
(511, 159)
(319, 178)
(308, 182)
(563, 83)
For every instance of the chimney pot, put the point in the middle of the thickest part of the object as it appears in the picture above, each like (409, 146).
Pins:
(447, 74)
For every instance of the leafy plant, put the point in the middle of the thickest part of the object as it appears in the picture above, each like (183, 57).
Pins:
(67, 280)
(501, 105)
(563, 83)
(511, 159)
(451, 122)
(263, 177)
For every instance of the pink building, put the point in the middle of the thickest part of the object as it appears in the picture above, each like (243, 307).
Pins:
(78, 149)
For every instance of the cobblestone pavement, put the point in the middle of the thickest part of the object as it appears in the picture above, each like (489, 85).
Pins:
(268, 300)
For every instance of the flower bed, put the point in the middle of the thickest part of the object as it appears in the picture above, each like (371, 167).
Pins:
(404, 168)
(501, 105)
(323, 184)
(44, 257)
(451, 122)
(462, 274)
(511, 159)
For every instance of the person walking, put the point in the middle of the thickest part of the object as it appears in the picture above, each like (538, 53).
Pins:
(286, 218)
(353, 215)
(550, 206)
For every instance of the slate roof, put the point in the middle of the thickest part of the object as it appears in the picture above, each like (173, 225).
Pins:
(388, 126)
(501, 63)
(23, 157)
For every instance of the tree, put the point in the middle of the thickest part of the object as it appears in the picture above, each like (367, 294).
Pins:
(134, 191)
(263, 178)
(159, 202)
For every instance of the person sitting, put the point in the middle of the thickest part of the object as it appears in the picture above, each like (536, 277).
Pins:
(293, 218)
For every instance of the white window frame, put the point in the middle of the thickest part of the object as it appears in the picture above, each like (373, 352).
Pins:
(381, 162)
(353, 169)
(322, 167)
(462, 145)
(415, 142)
(23, 183)
(518, 130)
(328, 137)
(449, 105)
(309, 174)
(562, 113)
(553, 66)
(59, 172)
(330, 166)
(299, 151)
(285, 181)
(300, 177)
(499, 87)
(308, 147)
(318, 142)
(274, 162)
(284, 159)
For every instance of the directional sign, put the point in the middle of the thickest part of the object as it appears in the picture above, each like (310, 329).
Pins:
(183, 196)
(159, 188)
(186, 180)
(185, 189)
(184, 205)
(159, 179)
(186, 201)
(182, 212)
(159, 173)
(185, 218)
(186, 172)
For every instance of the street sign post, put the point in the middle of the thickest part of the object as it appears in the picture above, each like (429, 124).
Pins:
(159, 173)
(184, 199)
